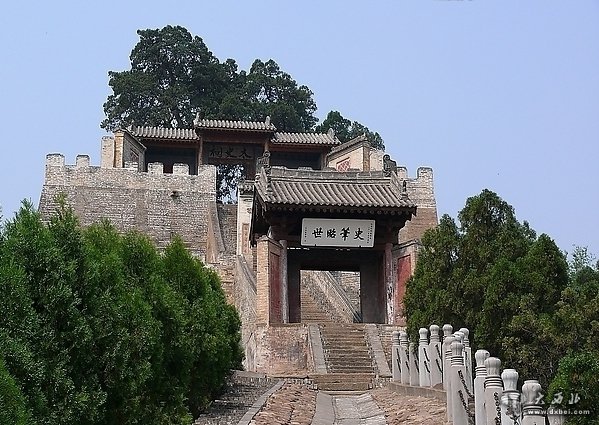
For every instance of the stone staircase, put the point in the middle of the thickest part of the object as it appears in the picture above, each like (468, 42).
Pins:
(348, 358)
(311, 312)
(347, 354)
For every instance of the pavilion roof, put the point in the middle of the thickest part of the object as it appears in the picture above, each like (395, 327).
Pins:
(314, 190)
(327, 139)
(183, 134)
(262, 126)
(190, 135)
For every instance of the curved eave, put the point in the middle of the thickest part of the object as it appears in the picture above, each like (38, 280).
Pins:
(343, 209)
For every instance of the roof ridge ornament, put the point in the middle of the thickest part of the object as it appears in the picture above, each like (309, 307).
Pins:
(389, 165)
(331, 133)
(267, 121)
(264, 163)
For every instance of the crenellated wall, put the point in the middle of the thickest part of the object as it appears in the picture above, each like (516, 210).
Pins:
(160, 205)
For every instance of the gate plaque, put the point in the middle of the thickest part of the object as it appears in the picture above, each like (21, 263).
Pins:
(345, 233)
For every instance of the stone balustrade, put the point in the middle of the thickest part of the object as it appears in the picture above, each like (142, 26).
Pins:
(479, 395)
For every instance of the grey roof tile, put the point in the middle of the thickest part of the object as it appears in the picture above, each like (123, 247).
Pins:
(331, 188)
(234, 125)
(163, 133)
(305, 138)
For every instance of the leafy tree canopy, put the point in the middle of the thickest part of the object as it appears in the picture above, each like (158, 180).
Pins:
(482, 274)
(346, 130)
(174, 76)
(517, 293)
(101, 328)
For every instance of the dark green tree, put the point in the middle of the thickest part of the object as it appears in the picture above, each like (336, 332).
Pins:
(573, 333)
(13, 410)
(488, 274)
(173, 75)
(346, 130)
(271, 92)
(95, 330)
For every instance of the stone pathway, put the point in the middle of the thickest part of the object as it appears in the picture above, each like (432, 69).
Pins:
(244, 389)
(292, 404)
(295, 404)
(347, 409)
(409, 410)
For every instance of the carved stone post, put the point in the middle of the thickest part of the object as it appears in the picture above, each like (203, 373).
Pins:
(532, 412)
(480, 418)
(434, 351)
(404, 358)
(414, 374)
(395, 357)
(423, 359)
(510, 399)
(447, 330)
(459, 396)
(446, 373)
(493, 391)
(467, 357)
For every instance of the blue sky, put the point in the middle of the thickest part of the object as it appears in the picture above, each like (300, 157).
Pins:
(501, 95)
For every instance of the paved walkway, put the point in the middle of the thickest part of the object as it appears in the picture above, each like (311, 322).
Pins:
(347, 409)
(295, 404)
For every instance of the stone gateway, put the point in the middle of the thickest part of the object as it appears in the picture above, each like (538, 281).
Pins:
(322, 232)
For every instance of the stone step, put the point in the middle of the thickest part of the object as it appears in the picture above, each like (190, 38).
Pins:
(337, 362)
(342, 377)
(348, 355)
(345, 342)
(345, 386)
(346, 350)
(351, 370)
(344, 381)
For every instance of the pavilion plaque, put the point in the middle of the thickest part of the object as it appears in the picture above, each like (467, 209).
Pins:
(344, 233)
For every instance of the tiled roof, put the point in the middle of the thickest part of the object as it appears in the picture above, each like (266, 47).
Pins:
(305, 139)
(331, 188)
(349, 143)
(234, 125)
(163, 133)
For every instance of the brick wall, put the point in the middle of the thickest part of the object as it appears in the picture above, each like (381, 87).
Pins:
(350, 282)
(227, 217)
(324, 287)
(421, 192)
(159, 205)
(282, 350)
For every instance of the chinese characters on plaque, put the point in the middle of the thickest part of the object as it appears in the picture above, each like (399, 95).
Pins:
(337, 232)
(228, 151)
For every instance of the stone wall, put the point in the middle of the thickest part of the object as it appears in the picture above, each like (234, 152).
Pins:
(404, 258)
(159, 205)
(282, 350)
(245, 301)
(227, 217)
(329, 295)
(421, 192)
(350, 282)
(245, 196)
